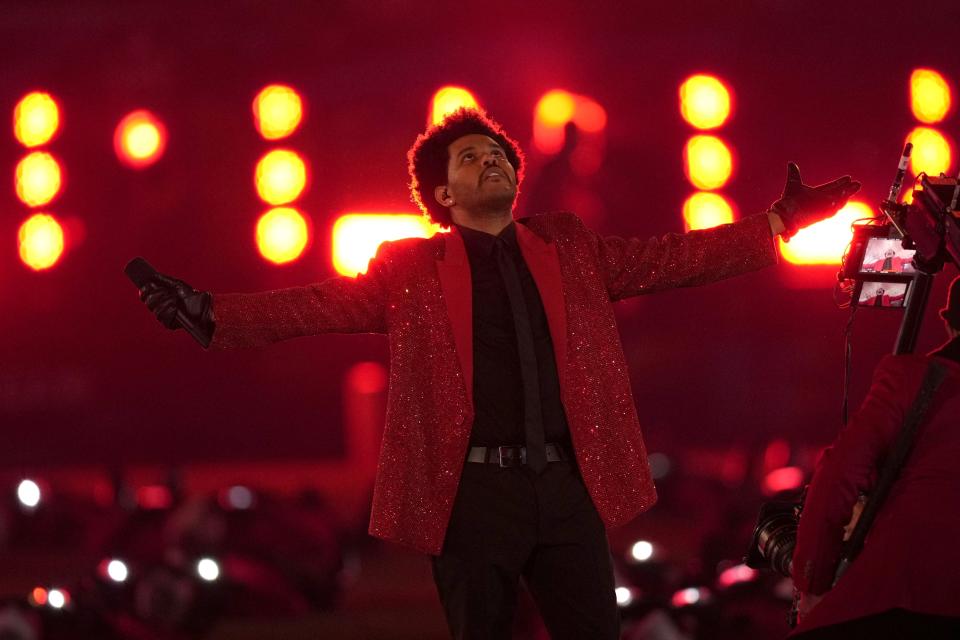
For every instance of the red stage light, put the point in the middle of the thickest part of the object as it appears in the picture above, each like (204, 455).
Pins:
(783, 479)
(277, 111)
(367, 378)
(38, 596)
(447, 100)
(282, 235)
(154, 497)
(708, 162)
(825, 242)
(735, 575)
(704, 210)
(356, 236)
(281, 176)
(38, 179)
(930, 98)
(932, 151)
(140, 139)
(705, 101)
(40, 241)
(690, 596)
(36, 119)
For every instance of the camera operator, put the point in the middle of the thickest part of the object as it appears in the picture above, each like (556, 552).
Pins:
(906, 581)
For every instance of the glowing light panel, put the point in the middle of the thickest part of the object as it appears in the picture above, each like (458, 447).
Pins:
(40, 241)
(282, 235)
(930, 97)
(38, 179)
(357, 236)
(825, 241)
(36, 119)
(281, 176)
(277, 111)
(448, 99)
(558, 107)
(704, 210)
(140, 139)
(708, 162)
(704, 101)
(932, 152)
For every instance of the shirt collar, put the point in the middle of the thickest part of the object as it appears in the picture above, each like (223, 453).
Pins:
(481, 242)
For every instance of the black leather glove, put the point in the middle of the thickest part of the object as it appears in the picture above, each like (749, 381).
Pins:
(164, 296)
(802, 205)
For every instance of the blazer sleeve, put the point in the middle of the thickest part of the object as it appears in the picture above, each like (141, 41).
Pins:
(338, 305)
(849, 467)
(633, 266)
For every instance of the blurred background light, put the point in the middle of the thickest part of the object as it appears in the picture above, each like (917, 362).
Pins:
(708, 162)
(28, 493)
(40, 241)
(930, 98)
(705, 101)
(704, 210)
(154, 497)
(116, 570)
(448, 99)
(277, 111)
(690, 596)
(641, 551)
(208, 569)
(932, 151)
(58, 598)
(735, 575)
(282, 235)
(558, 107)
(140, 139)
(239, 497)
(38, 596)
(783, 479)
(281, 176)
(356, 236)
(624, 596)
(36, 119)
(38, 179)
(825, 241)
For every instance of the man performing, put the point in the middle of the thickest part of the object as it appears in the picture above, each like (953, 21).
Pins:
(511, 439)
(904, 583)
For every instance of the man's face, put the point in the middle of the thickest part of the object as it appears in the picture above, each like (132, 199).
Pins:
(479, 176)
(879, 292)
(889, 253)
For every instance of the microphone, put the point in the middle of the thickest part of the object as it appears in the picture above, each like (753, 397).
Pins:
(894, 195)
(141, 273)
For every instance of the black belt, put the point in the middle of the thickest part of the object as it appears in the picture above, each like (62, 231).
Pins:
(514, 456)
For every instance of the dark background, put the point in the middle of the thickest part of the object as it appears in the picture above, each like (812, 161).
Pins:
(88, 377)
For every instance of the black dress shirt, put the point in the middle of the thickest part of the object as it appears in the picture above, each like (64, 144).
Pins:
(497, 380)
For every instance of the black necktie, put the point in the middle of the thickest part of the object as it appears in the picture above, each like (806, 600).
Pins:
(532, 415)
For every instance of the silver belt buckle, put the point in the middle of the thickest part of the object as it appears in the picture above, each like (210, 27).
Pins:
(510, 455)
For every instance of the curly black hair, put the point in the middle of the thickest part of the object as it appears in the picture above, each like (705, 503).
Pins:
(428, 157)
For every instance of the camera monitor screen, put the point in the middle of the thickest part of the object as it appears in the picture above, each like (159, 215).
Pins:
(886, 295)
(887, 255)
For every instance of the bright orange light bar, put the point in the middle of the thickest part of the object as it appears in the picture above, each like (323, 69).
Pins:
(140, 139)
(282, 235)
(932, 151)
(356, 236)
(38, 179)
(825, 241)
(447, 100)
(708, 162)
(281, 176)
(930, 98)
(40, 240)
(705, 101)
(36, 119)
(704, 210)
(558, 107)
(277, 111)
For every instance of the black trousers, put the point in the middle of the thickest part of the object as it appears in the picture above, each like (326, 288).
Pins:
(896, 624)
(509, 524)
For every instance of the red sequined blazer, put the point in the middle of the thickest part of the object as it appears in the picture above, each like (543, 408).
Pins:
(418, 292)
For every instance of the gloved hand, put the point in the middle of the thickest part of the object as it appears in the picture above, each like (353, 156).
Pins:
(164, 295)
(802, 205)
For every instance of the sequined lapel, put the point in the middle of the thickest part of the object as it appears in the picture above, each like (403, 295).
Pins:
(544, 265)
(454, 273)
